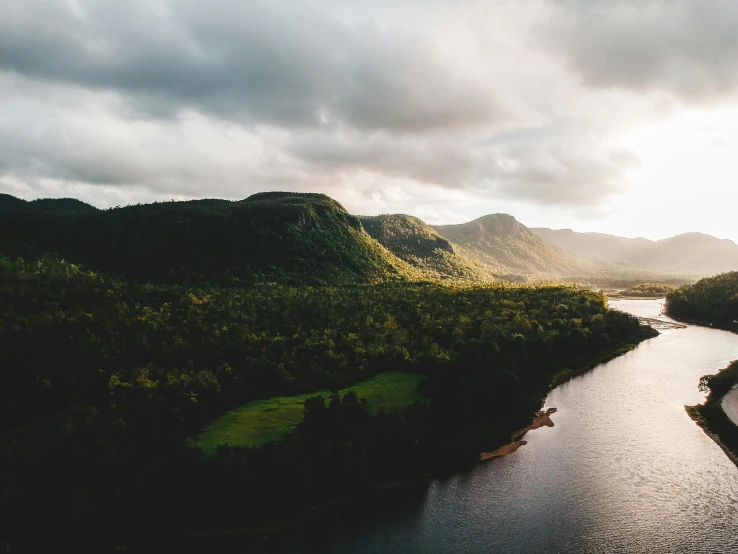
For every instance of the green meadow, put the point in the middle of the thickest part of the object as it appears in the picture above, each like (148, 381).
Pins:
(264, 421)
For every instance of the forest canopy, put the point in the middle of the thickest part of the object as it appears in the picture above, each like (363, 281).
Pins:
(713, 300)
(105, 381)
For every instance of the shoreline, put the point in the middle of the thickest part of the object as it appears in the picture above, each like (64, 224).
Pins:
(618, 297)
(541, 419)
(314, 513)
(697, 416)
(700, 413)
(700, 322)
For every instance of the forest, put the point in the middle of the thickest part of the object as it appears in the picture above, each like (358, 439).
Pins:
(107, 382)
(712, 301)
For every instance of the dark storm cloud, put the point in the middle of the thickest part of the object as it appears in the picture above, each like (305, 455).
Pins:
(256, 62)
(685, 47)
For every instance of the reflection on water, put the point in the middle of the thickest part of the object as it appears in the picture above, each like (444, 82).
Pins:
(623, 470)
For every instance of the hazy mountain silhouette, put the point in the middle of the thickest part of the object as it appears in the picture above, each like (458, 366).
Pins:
(503, 243)
(694, 254)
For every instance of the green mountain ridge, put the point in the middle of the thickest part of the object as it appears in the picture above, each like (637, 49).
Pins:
(307, 238)
(287, 237)
(502, 243)
(417, 243)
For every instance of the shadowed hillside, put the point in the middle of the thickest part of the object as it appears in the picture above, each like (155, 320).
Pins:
(417, 243)
(503, 243)
(287, 237)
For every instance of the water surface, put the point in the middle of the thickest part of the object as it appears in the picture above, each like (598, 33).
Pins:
(624, 470)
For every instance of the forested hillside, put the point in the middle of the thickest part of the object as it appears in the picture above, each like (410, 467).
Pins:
(417, 243)
(713, 300)
(105, 382)
(294, 238)
(505, 245)
(285, 237)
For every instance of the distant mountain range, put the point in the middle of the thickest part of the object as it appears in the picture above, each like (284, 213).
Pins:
(690, 254)
(312, 239)
(501, 242)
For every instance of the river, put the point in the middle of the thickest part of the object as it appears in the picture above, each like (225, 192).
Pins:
(624, 469)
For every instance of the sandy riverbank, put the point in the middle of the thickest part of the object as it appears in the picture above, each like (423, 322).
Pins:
(541, 419)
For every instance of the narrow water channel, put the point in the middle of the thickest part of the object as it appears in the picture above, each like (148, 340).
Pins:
(624, 469)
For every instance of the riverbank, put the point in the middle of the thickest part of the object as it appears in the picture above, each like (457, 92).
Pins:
(381, 490)
(575, 471)
(541, 419)
(712, 416)
(712, 424)
(616, 296)
(701, 322)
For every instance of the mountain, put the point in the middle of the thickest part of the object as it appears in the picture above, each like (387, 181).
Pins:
(304, 238)
(9, 204)
(287, 237)
(596, 246)
(694, 254)
(504, 244)
(417, 243)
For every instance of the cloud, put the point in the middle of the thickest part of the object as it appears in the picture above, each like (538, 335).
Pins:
(80, 140)
(679, 47)
(256, 62)
(408, 104)
(566, 163)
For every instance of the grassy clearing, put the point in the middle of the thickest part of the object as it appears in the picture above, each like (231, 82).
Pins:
(263, 421)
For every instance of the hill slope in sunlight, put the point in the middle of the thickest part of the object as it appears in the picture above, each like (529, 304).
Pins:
(502, 243)
(417, 243)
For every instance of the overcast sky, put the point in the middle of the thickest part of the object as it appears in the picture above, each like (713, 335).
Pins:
(618, 116)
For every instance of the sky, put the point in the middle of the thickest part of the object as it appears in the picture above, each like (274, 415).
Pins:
(614, 116)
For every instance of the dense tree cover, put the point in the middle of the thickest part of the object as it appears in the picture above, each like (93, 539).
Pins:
(285, 237)
(417, 243)
(102, 382)
(713, 300)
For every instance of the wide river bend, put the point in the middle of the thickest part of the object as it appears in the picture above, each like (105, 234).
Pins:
(624, 469)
